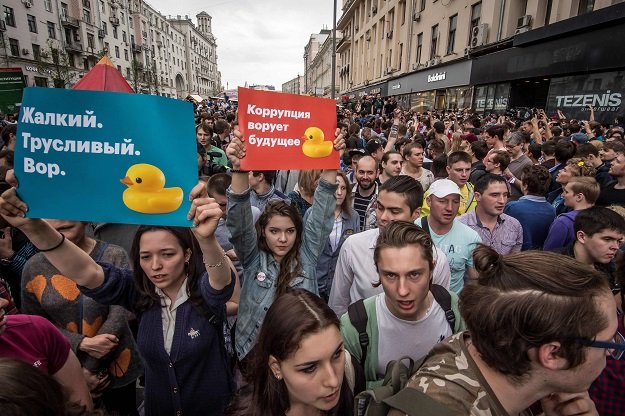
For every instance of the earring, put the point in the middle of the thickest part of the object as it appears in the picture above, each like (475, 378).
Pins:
(278, 376)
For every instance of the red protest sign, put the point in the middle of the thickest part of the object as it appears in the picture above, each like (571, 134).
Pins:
(286, 131)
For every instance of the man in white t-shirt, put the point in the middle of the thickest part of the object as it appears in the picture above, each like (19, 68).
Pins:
(399, 199)
(453, 237)
(411, 315)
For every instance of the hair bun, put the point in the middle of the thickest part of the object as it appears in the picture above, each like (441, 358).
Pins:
(487, 262)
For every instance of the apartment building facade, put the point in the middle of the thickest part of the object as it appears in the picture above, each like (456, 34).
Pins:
(489, 55)
(152, 51)
(294, 86)
(319, 70)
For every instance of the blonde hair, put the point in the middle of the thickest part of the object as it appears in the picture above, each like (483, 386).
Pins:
(307, 181)
(585, 186)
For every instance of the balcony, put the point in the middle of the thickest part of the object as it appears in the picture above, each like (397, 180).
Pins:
(70, 21)
(114, 20)
(343, 44)
(74, 47)
(136, 48)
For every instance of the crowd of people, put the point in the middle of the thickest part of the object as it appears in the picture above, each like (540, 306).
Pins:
(485, 248)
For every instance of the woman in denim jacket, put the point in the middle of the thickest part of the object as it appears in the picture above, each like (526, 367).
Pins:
(280, 251)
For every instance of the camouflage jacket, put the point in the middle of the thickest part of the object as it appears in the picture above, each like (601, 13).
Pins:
(450, 376)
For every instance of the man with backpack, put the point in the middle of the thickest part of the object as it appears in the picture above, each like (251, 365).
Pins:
(399, 199)
(411, 315)
(540, 326)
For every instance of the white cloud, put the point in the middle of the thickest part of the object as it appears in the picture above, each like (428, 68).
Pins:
(258, 42)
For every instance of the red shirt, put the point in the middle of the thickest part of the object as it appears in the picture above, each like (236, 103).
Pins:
(35, 341)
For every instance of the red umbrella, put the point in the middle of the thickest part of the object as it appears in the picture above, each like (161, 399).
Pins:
(103, 77)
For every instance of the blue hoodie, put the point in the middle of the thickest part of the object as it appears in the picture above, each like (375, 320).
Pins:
(561, 232)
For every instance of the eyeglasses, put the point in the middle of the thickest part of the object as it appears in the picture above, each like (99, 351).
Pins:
(616, 348)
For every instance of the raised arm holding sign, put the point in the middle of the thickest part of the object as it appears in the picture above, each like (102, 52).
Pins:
(279, 251)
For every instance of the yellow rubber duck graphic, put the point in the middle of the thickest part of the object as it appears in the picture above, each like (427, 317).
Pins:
(146, 191)
(314, 144)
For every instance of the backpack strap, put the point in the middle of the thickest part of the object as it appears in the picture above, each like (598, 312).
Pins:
(415, 403)
(425, 226)
(358, 318)
(443, 298)
(470, 196)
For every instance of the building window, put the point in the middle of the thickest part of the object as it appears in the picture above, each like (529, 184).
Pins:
(115, 32)
(86, 15)
(130, 22)
(548, 12)
(51, 30)
(421, 5)
(434, 44)
(48, 5)
(476, 13)
(419, 47)
(585, 6)
(9, 16)
(117, 51)
(451, 37)
(36, 52)
(15, 47)
(86, 3)
(41, 82)
(90, 41)
(124, 38)
(64, 11)
(105, 28)
(32, 23)
(126, 54)
(119, 68)
(102, 7)
(107, 47)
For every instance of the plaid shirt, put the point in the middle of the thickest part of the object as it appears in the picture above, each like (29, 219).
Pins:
(607, 390)
(5, 293)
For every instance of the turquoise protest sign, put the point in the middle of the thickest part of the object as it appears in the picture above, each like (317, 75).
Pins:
(105, 156)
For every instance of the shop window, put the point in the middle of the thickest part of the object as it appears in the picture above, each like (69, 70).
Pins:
(41, 82)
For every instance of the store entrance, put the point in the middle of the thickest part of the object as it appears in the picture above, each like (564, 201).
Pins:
(439, 100)
(529, 93)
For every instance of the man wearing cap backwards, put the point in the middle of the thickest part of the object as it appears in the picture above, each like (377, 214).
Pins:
(458, 171)
(454, 238)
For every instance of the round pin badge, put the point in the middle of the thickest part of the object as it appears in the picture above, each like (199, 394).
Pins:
(261, 277)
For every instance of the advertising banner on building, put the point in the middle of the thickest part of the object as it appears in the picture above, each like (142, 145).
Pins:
(11, 88)
(105, 156)
(573, 95)
(287, 131)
